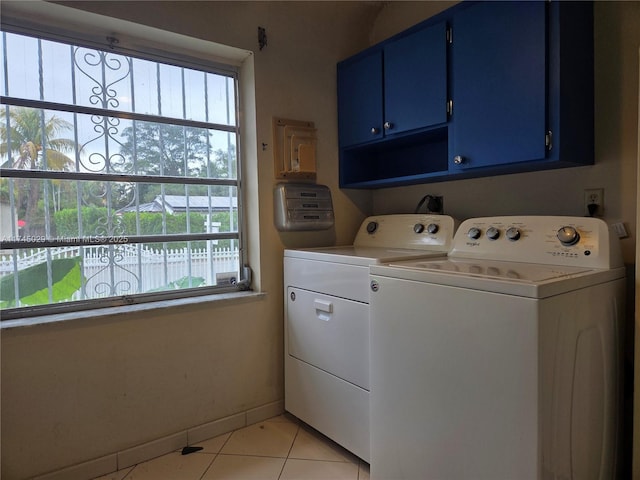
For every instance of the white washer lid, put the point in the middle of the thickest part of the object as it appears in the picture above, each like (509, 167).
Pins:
(511, 271)
(364, 256)
(511, 278)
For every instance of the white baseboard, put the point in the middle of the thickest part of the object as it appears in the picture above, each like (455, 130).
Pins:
(161, 446)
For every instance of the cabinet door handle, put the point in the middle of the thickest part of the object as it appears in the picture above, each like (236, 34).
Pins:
(388, 125)
(375, 131)
(458, 160)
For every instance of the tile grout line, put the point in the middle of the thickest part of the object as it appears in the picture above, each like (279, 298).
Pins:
(290, 448)
(209, 467)
(218, 452)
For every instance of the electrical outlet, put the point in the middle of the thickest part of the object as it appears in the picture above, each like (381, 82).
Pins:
(620, 230)
(594, 196)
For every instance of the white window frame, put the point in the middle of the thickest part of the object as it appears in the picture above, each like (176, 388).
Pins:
(150, 50)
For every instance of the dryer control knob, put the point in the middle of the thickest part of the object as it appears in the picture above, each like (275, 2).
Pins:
(513, 234)
(474, 233)
(493, 233)
(418, 228)
(433, 228)
(372, 227)
(568, 236)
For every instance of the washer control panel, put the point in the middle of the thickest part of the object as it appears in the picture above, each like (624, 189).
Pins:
(579, 241)
(419, 231)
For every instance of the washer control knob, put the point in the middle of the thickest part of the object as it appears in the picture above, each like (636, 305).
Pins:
(474, 233)
(372, 227)
(433, 228)
(513, 234)
(493, 233)
(568, 236)
(418, 228)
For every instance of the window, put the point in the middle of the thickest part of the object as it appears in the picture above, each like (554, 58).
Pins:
(119, 178)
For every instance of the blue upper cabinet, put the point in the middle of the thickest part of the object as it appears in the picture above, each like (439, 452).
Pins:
(360, 99)
(499, 85)
(518, 75)
(415, 80)
(394, 88)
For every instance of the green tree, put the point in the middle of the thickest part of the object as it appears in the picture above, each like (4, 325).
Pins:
(28, 141)
(223, 165)
(161, 149)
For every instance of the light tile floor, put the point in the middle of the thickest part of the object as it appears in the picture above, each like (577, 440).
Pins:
(281, 448)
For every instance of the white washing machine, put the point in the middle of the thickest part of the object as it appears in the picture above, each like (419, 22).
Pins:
(327, 321)
(499, 362)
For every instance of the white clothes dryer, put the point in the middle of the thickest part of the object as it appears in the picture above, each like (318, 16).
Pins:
(327, 321)
(499, 362)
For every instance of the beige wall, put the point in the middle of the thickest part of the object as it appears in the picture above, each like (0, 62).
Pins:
(82, 389)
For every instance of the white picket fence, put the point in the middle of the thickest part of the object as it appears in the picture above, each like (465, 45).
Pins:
(129, 269)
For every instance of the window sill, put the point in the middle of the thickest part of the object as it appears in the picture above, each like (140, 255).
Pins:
(234, 298)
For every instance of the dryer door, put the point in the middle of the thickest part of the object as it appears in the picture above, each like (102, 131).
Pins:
(330, 333)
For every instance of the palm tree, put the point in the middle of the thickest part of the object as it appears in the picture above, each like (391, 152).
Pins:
(27, 144)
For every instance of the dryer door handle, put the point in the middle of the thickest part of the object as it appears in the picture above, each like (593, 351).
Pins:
(323, 308)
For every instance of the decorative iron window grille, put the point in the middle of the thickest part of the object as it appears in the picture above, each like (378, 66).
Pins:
(119, 178)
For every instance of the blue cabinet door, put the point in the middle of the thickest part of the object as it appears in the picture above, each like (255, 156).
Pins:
(415, 80)
(360, 99)
(499, 84)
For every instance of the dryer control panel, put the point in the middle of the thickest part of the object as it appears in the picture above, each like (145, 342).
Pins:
(415, 231)
(557, 240)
